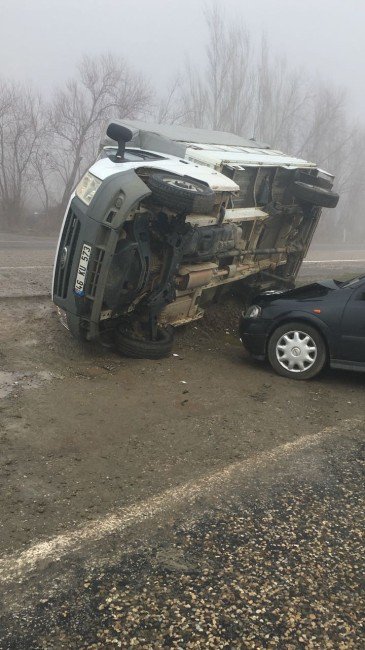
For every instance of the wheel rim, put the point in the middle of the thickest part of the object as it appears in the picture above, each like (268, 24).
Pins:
(296, 351)
(177, 182)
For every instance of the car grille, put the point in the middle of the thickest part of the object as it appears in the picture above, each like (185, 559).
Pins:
(68, 240)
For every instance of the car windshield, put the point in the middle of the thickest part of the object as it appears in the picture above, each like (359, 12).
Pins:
(350, 283)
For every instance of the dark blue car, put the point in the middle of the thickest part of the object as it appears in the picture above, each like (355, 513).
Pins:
(301, 330)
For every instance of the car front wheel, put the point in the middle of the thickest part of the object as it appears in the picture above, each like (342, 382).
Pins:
(297, 350)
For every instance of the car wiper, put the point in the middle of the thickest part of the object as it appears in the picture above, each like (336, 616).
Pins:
(355, 280)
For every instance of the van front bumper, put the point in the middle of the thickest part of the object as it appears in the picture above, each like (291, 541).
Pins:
(97, 227)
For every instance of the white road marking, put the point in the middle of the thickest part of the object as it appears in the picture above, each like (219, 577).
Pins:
(29, 241)
(23, 268)
(27, 268)
(332, 261)
(17, 565)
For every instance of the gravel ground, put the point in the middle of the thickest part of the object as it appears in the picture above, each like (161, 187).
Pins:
(277, 563)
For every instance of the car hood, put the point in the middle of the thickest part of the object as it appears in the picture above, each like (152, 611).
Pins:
(308, 291)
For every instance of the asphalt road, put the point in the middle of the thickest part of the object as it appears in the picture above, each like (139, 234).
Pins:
(26, 264)
(14, 241)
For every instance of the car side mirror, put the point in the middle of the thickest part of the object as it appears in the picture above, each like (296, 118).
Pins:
(121, 135)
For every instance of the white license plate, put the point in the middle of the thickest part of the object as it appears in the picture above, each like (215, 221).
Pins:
(81, 272)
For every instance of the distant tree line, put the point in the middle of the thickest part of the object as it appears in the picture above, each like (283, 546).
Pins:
(46, 145)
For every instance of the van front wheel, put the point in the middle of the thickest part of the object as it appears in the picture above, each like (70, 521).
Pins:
(143, 348)
(181, 193)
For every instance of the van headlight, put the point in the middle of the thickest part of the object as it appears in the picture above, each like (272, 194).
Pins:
(253, 312)
(87, 188)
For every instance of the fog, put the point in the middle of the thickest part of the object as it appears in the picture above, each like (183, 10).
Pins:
(295, 81)
(42, 40)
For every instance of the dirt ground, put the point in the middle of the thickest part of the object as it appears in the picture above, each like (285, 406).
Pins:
(83, 430)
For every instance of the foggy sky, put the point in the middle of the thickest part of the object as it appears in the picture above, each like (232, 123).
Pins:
(42, 40)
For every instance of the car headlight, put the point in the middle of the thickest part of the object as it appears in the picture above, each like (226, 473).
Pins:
(87, 188)
(253, 312)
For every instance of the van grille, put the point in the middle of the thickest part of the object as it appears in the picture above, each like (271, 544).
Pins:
(94, 271)
(68, 240)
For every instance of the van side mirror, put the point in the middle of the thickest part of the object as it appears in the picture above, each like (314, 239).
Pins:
(120, 134)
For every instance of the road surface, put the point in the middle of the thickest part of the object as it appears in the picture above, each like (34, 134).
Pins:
(25, 264)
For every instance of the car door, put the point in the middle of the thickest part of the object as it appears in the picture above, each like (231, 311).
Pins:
(352, 332)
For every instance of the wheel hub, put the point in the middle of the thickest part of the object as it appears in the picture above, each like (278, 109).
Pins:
(296, 351)
(175, 182)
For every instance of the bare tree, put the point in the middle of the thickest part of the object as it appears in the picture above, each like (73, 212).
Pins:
(21, 128)
(105, 87)
(280, 100)
(256, 93)
(169, 109)
(351, 221)
(44, 185)
(221, 95)
(324, 121)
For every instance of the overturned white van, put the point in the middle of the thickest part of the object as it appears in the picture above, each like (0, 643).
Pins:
(169, 216)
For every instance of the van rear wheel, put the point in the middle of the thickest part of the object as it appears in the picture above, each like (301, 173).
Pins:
(319, 196)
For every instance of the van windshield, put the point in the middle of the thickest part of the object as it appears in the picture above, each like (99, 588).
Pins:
(130, 155)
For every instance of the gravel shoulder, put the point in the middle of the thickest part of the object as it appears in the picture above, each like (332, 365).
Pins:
(275, 560)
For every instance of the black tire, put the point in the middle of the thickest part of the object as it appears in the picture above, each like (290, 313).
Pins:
(308, 179)
(138, 348)
(305, 365)
(315, 195)
(181, 193)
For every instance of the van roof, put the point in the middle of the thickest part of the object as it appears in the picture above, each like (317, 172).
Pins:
(212, 148)
(184, 134)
